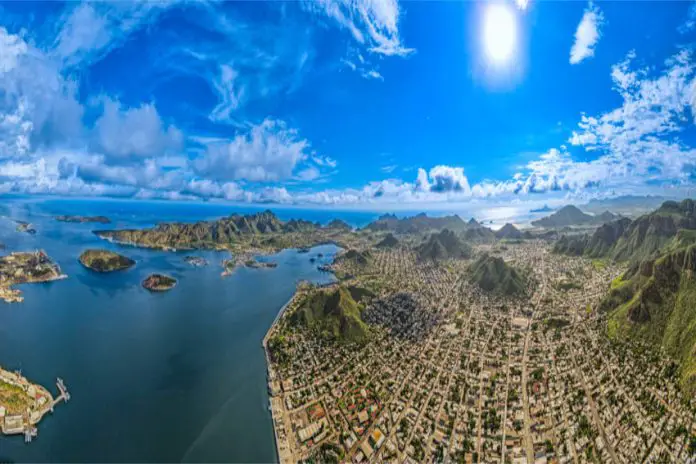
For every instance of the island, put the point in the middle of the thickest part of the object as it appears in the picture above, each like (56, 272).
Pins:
(82, 219)
(100, 260)
(25, 267)
(159, 283)
(26, 227)
(23, 404)
(254, 264)
(196, 261)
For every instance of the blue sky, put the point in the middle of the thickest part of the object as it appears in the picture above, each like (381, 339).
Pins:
(367, 104)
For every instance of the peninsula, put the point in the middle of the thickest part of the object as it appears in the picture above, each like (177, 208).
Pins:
(25, 267)
(23, 404)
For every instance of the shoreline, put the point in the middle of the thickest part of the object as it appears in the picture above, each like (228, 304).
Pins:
(270, 374)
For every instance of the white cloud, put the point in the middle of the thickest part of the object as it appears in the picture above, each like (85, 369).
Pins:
(268, 152)
(587, 34)
(134, 132)
(230, 93)
(373, 23)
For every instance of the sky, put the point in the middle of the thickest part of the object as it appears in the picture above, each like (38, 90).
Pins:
(368, 104)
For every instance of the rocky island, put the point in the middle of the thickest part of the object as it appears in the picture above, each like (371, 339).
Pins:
(104, 260)
(27, 267)
(159, 283)
(83, 219)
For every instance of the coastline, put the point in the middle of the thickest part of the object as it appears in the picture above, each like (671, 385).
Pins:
(270, 375)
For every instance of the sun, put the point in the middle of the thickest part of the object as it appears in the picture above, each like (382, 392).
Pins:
(499, 33)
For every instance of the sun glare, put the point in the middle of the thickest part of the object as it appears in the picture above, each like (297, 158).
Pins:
(499, 33)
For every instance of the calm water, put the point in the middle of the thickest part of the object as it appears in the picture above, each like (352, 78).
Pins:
(178, 376)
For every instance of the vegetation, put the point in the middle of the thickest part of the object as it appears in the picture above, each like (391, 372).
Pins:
(493, 274)
(14, 398)
(334, 314)
(159, 283)
(104, 260)
(443, 246)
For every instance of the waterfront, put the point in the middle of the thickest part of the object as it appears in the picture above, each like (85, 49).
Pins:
(179, 376)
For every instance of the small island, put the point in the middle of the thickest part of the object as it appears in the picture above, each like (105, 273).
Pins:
(159, 283)
(196, 261)
(254, 264)
(82, 219)
(22, 268)
(26, 227)
(99, 260)
(23, 404)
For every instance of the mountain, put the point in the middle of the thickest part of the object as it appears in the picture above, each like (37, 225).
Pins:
(655, 302)
(359, 258)
(299, 225)
(572, 216)
(643, 238)
(338, 224)
(334, 314)
(493, 274)
(597, 245)
(479, 234)
(207, 234)
(388, 242)
(443, 246)
(627, 205)
(416, 224)
(508, 231)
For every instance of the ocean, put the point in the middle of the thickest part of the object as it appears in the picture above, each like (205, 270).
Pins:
(176, 376)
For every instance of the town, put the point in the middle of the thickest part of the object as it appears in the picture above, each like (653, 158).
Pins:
(25, 267)
(463, 375)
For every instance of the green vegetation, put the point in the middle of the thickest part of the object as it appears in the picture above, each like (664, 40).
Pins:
(104, 260)
(14, 398)
(493, 274)
(655, 302)
(334, 314)
(159, 283)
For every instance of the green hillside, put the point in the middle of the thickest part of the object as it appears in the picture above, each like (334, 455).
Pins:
(493, 274)
(633, 241)
(443, 246)
(334, 314)
(655, 302)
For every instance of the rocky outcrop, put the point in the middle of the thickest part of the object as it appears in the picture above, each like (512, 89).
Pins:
(493, 274)
(443, 246)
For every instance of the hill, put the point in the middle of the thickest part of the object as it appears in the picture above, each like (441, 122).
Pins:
(443, 246)
(334, 314)
(475, 232)
(359, 258)
(508, 231)
(572, 216)
(655, 302)
(208, 234)
(416, 224)
(493, 274)
(388, 242)
(625, 240)
(338, 224)
(104, 260)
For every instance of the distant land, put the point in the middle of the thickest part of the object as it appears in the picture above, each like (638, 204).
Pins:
(543, 209)
(571, 215)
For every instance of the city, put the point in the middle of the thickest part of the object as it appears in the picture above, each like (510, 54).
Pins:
(493, 380)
